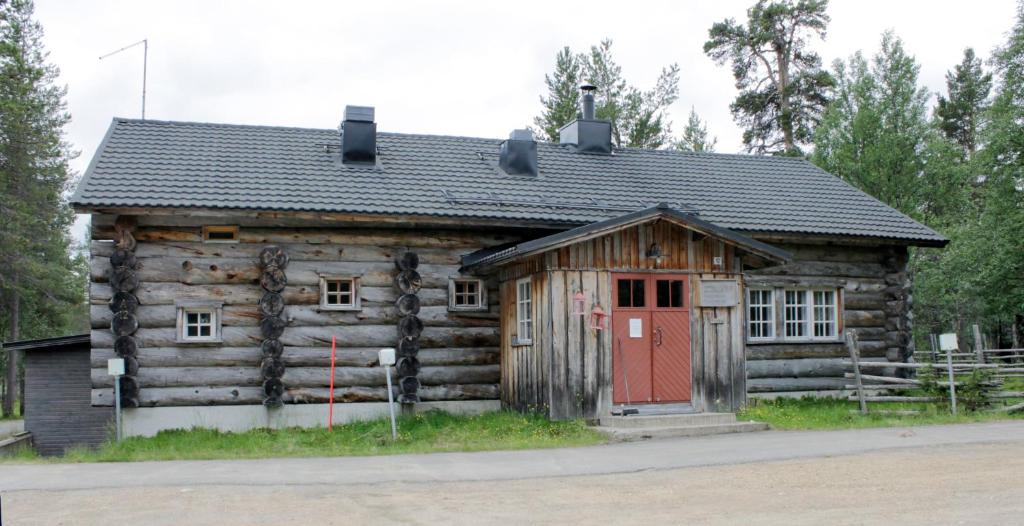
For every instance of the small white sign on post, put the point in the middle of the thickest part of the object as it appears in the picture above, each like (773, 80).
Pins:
(115, 368)
(386, 357)
(947, 342)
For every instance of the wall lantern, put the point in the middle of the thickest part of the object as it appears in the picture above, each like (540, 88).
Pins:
(597, 318)
(577, 304)
(654, 252)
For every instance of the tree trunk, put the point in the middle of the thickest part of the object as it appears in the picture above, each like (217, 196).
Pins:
(11, 385)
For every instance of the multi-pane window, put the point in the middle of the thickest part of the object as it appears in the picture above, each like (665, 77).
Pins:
(524, 311)
(466, 294)
(338, 293)
(796, 314)
(824, 313)
(807, 314)
(199, 322)
(760, 314)
(631, 293)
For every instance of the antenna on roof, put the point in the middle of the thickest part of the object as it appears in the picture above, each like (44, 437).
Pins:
(145, 59)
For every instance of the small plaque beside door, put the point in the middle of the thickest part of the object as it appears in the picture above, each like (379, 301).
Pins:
(719, 293)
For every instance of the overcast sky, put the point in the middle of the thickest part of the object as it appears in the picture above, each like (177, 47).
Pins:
(458, 68)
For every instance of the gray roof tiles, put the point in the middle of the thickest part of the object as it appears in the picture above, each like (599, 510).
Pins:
(182, 164)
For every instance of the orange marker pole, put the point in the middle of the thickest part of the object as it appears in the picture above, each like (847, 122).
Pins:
(330, 403)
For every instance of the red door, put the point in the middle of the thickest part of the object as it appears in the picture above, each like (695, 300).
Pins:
(650, 338)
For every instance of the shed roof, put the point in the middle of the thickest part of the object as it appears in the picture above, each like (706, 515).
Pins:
(169, 164)
(59, 343)
(495, 256)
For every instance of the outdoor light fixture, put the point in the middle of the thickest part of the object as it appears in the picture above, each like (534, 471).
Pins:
(597, 318)
(654, 252)
(577, 303)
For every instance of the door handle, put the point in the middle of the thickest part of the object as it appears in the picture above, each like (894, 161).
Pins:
(659, 336)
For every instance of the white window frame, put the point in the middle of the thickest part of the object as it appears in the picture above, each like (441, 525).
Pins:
(524, 312)
(214, 309)
(355, 303)
(801, 324)
(453, 295)
(768, 321)
(816, 314)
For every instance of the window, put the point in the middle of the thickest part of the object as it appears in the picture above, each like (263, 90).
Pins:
(796, 315)
(199, 322)
(220, 234)
(669, 293)
(524, 312)
(467, 294)
(760, 314)
(807, 314)
(824, 314)
(339, 293)
(631, 293)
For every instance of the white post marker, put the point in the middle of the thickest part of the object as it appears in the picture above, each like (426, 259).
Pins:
(386, 357)
(115, 368)
(948, 343)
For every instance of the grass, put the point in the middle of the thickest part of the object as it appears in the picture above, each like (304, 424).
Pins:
(429, 432)
(829, 413)
(16, 415)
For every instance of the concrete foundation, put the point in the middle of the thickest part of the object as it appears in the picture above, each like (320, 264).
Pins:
(148, 421)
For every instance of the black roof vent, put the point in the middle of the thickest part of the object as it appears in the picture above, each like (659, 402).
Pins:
(588, 134)
(359, 136)
(519, 154)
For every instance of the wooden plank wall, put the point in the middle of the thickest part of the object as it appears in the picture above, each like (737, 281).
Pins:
(460, 351)
(876, 302)
(718, 360)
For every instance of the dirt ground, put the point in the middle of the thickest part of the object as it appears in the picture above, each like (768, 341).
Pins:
(975, 484)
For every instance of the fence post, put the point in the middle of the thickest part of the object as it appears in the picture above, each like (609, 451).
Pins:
(851, 345)
(952, 384)
(934, 340)
(979, 344)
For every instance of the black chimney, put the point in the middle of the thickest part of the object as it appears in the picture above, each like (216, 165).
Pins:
(588, 134)
(358, 136)
(519, 154)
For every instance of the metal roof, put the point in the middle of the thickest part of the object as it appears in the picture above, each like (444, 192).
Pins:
(203, 165)
(495, 256)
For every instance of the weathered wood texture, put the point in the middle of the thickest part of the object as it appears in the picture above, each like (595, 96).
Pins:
(717, 350)
(875, 304)
(460, 350)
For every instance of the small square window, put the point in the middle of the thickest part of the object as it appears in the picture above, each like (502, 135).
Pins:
(220, 234)
(467, 294)
(337, 293)
(199, 323)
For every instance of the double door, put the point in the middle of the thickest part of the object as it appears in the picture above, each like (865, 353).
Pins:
(650, 338)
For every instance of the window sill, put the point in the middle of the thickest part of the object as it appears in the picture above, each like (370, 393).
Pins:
(778, 341)
(469, 310)
(521, 343)
(334, 308)
(199, 342)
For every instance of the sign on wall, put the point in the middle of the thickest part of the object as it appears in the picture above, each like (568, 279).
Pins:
(719, 293)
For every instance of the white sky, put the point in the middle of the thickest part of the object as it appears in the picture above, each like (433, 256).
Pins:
(470, 68)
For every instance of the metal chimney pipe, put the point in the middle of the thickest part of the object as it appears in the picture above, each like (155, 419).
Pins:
(588, 101)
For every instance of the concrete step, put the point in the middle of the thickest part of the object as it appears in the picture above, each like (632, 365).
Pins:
(619, 434)
(689, 419)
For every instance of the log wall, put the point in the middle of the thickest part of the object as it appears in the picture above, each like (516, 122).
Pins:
(459, 350)
(875, 303)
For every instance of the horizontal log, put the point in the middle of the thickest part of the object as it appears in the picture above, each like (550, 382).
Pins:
(349, 335)
(156, 316)
(807, 367)
(195, 396)
(864, 301)
(225, 271)
(843, 254)
(297, 376)
(785, 351)
(292, 356)
(296, 251)
(864, 318)
(847, 284)
(771, 385)
(434, 238)
(827, 269)
(168, 293)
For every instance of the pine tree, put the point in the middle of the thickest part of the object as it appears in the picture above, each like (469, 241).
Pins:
(783, 89)
(42, 287)
(639, 118)
(960, 113)
(695, 136)
(561, 106)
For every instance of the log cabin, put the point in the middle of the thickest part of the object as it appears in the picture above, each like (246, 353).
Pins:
(572, 278)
